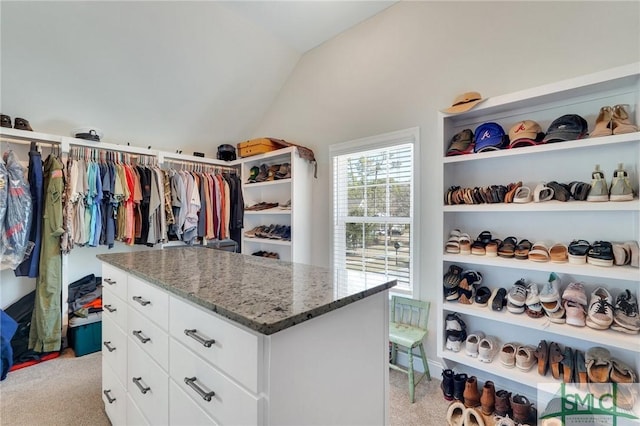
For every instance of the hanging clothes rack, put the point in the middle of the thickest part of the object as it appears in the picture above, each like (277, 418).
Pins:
(195, 166)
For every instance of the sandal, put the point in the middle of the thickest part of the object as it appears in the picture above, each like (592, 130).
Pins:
(507, 248)
(465, 243)
(453, 243)
(555, 357)
(511, 192)
(542, 193)
(579, 190)
(491, 248)
(578, 250)
(558, 253)
(567, 365)
(539, 252)
(498, 299)
(598, 363)
(560, 191)
(522, 195)
(522, 249)
(621, 372)
(542, 353)
(452, 277)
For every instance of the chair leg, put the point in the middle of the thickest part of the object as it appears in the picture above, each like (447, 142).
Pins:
(424, 362)
(394, 353)
(411, 378)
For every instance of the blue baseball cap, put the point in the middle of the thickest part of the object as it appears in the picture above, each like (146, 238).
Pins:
(489, 137)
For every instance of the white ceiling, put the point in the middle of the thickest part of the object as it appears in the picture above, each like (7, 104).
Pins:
(304, 25)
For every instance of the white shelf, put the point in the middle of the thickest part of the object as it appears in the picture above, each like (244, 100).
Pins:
(273, 211)
(545, 148)
(629, 342)
(627, 273)
(546, 206)
(267, 183)
(266, 241)
(269, 155)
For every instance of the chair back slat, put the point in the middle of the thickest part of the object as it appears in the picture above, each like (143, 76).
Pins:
(410, 311)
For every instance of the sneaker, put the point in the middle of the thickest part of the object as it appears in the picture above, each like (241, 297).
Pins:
(508, 354)
(600, 254)
(554, 311)
(503, 421)
(455, 339)
(599, 190)
(518, 294)
(482, 296)
(575, 293)
(487, 349)
(600, 314)
(549, 292)
(620, 189)
(453, 322)
(533, 294)
(635, 253)
(625, 313)
(525, 358)
(498, 299)
(451, 294)
(575, 313)
(467, 287)
(472, 342)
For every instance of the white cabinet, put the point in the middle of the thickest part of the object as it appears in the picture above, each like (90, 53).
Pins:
(550, 222)
(296, 189)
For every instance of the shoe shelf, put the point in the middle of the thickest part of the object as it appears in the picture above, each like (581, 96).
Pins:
(546, 148)
(627, 273)
(273, 211)
(546, 206)
(275, 182)
(620, 340)
(266, 241)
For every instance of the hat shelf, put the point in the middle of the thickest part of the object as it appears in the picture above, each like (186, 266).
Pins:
(563, 162)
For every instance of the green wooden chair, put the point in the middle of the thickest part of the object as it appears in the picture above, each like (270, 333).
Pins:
(407, 328)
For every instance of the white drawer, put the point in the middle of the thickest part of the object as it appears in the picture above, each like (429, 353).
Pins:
(114, 349)
(229, 403)
(149, 337)
(149, 300)
(183, 411)
(114, 397)
(114, 307)
(134, 416)
(151, 393)
(235, 351)
(115, 280)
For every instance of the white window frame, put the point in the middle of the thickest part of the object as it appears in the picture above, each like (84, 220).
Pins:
(386, 140)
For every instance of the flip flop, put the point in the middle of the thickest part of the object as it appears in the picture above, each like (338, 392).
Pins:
(539, 252)
(558, 253)
(598, 363)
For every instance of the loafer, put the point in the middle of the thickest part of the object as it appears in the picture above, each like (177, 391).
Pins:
(22, 124)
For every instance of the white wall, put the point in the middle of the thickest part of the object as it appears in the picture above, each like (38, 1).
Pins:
(397, 69)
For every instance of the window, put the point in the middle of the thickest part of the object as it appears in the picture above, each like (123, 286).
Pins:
(373, 206)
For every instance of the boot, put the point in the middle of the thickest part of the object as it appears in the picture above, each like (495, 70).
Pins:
(447, 384)
(459, 381)
(471, 394)
(503, 407)
(488, 398)
(521, 408)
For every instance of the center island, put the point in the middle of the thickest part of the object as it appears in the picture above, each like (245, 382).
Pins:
(204, 336)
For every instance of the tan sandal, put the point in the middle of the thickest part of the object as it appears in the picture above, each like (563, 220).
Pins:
(603, 123)
(558, 253)
(621, 123)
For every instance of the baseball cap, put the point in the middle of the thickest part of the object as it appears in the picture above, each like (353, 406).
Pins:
(461, 143)
(567, 128)
(526, 132)
(489, 137)
(464, 102)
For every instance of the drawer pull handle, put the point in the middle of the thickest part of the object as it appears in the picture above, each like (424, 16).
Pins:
(191, 382)
(142, 388)
(107, 345)
(106, 393)
(109, 281)
(138, 334)
(141, 301)
(109, 308)
(193, 334)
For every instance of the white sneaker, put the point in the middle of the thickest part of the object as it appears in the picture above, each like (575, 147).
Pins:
(626, 315)
(487, 349)
(525, 358)
(533, 294)
(620, 187)
(454, 322)
(550, 292)
(471, 345)
(600, 315)
(599, 190)
(575, 293)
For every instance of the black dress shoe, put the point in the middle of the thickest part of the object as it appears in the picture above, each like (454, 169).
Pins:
(5, 121)
(22, 124)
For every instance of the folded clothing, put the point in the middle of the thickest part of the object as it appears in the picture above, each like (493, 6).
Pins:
(90, 319)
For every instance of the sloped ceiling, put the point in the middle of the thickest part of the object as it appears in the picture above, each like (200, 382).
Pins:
(171, 75)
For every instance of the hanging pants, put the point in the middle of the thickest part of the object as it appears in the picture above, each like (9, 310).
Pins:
(45, 334)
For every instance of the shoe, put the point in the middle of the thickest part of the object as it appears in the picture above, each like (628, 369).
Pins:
(621, 372)
(554, 311)
(578, 250)
(575, 293)
(599, 190)
(263, 174)
(598, 363)
(625, 313)
(525, 358)
(271, 172)
(456, 414)
(579, 190)
(454, 322)
(453, 277)
(466, 289)
(22, 124)
(534, 310)
(560, 191)
(284, 171)
(600, 314)
(575, 313)
(472, 417)
(447, 384)
(549, 292)
(580, 370)
(498, 299)
(455, 339)
(521, 408)
(508, 354)
(635, 253)
(488, 398)
(533, 294)
(620, 189)
(542, 355)
(5, 121)
(567, 365)
(555, 357)
(503, 421)
(471, 395)
(517, 296)
(286, 206)
(487, 349)
(459, 382)
(604, 124)
(472, 342)
(482, 296)
(600, 254)
(621, 254)
(465, 244)
(503, 403)
(621, 123)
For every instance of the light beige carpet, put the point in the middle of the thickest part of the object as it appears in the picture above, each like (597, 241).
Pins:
(66, 391)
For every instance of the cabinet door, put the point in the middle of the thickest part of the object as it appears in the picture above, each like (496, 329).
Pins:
(235, 350)
(148, 385)
(149, 337)
(134, 415)
(114, 307)
(228, 403)
(149, 301)
(184, 411)
(114, 396)
(115, 280)
(114, 349)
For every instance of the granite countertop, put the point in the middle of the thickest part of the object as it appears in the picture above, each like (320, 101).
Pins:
(265, 295)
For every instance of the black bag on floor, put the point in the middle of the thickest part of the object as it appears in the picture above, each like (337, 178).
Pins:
(21, 312)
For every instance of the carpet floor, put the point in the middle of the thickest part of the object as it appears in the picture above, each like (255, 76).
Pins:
(66, 391)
